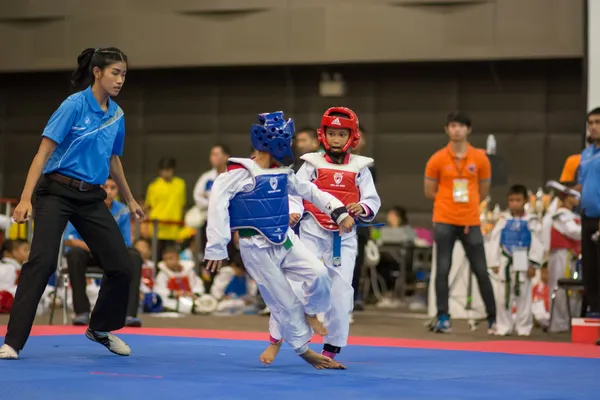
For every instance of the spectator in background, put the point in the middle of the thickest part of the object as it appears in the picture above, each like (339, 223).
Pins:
(233, 288)
(362, 234)
(589, 179)
(305, 141)
(177, 283)
(219, 155)
(570, 171)
(165, 200)
(79, 258)
(396, 231)
(457, 178)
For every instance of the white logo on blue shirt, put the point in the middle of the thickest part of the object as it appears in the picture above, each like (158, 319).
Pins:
(273, 182)
(87, 120)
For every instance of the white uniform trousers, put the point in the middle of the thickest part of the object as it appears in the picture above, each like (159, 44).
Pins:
(337, 319)
(272, 268)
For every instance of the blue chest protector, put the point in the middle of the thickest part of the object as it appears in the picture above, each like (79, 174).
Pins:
(515, 235)
(265, 208)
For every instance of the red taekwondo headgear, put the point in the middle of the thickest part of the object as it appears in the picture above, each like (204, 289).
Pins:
(350, 122)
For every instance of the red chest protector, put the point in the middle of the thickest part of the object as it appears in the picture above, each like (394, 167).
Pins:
(339, 180)
(558, 241)
(18, 275)
(179, 283)
(148, 276)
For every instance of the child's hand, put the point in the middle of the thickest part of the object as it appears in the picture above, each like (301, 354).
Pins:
(294, 219)
(495, 270)
(355, 209)
(347, 224)
(531, 272)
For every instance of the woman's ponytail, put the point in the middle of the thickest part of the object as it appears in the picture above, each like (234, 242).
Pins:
(82, 76)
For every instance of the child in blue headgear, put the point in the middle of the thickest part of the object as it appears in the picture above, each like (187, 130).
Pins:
(252, 199)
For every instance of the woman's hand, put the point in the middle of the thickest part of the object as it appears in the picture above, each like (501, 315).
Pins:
(23, 212)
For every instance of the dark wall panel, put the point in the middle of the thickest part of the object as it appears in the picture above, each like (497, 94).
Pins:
(534, 108)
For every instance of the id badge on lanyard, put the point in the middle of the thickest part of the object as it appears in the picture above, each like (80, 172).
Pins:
(460, 186)
(460, 190)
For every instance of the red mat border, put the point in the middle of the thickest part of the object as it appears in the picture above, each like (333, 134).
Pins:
(492, 346)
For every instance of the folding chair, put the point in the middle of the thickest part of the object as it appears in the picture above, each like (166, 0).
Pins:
(565, 284)
(62, 278)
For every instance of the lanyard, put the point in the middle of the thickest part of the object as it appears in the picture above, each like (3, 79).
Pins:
(456, 161)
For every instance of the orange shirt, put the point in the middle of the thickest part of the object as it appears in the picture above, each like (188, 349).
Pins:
(444, 168)
(569, 172)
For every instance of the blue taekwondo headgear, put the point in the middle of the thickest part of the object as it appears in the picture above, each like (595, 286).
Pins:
(274, 135)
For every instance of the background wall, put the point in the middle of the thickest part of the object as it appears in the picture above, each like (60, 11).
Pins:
(46, 35)
(535, 109)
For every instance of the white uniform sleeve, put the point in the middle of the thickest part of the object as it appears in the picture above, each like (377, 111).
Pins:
(536, 249)
(323, 201)
(369, 198)
(222, 279)
(565, 224)
(161, 285)
(218, 231)
(200, 197)
(305, 173)
(494, 252)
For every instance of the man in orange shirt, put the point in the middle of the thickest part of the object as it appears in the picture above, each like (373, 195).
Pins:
(457, 177)
(570, 170)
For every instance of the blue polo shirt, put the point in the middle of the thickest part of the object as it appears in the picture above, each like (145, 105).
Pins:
(589, 178)
(87, 137)
(121, 214)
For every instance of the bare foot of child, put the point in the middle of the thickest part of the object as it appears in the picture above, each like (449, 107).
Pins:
(319, 361)
(316, 325)
(268, 356)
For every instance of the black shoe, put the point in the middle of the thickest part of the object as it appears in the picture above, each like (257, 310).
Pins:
(133, 322)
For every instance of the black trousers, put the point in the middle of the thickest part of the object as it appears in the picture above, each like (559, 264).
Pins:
(445, 237)
(56, 204)
(362, 237)
(78, 261)
(590, 260)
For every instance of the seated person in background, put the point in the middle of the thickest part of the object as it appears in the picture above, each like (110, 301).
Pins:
(396, 232)
(13, 254)
(177, 283)
(79, 258)
(541, 300)
(189, 250)
(233, 288)
(148, 267)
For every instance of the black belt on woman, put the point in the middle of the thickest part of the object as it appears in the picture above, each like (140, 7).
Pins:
(71, 182)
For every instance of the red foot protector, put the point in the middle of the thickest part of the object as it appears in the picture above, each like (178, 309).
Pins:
(585, 330)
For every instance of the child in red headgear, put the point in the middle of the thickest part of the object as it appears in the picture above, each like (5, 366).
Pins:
(347, 177)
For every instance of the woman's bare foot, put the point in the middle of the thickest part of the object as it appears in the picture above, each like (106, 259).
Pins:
(316, 325)
(268, 356)
(319, 361)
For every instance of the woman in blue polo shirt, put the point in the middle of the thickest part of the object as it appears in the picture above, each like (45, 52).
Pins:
(81, 145)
